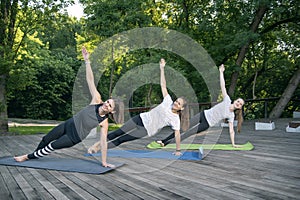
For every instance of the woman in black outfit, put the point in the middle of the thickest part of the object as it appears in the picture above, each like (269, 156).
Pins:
(75, 129)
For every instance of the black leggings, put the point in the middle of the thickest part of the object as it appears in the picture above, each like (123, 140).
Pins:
(57, 138)
(133, 129)
(198, 124)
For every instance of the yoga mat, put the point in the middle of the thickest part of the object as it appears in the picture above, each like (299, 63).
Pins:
(61, 164)
(150, 154)
(245, 147)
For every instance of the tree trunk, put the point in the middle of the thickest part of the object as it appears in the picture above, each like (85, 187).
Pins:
(3, 107)
(234, 77)
(286, 96)
(4, 40)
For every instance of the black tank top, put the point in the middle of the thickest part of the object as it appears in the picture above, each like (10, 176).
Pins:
(87, 119)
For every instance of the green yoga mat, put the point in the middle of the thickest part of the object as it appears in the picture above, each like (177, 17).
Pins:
(245, 147)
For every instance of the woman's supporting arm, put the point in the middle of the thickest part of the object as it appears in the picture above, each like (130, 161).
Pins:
(103, 142)
(177, 140)
(232, 134)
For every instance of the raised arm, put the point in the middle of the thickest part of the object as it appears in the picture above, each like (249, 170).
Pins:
(163, 83)
(222, 81)
(96, 97)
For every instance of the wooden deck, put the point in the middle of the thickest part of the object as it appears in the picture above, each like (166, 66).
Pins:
(270, 171)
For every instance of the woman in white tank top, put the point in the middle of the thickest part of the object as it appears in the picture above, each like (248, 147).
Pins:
(149, 123)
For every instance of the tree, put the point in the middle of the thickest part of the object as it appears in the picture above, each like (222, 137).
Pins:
(243, 51)
(48, 93)
(256, 40)
(286, 96)
(281, 14)
(107, 18)
(19, 18)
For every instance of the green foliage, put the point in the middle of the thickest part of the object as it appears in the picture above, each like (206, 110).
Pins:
(107, 18)
(42, 59)
(48, 96)
(40, 82)
(222, 28)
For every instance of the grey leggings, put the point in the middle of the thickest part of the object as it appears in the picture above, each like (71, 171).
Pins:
(58, 138)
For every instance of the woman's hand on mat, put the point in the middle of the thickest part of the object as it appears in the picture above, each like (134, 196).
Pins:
(108, 165)
(177, 153)
(237, 146)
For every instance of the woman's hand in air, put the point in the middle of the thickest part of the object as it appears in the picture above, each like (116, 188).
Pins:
(222, 68)
(162, 63)
(85, 54)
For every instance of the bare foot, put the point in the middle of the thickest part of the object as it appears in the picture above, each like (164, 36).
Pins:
(161, 143)
(21, 158)
(95, 148)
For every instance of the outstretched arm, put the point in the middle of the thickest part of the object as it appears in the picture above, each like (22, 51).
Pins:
(163, 83)
(222, 81)
(96, 97)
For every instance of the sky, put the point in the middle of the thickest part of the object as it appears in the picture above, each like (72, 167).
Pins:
(76, 10)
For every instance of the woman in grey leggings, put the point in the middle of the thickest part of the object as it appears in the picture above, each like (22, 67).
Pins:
(75, 129)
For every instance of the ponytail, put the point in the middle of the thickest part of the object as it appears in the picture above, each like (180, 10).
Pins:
(240, 119)
(184, 115)
(117, 116)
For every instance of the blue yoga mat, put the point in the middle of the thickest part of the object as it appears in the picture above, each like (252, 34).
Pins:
(61, 164)
(188, 155)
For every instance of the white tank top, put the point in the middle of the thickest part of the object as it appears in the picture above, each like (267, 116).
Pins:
(219, 112)
(160, 116)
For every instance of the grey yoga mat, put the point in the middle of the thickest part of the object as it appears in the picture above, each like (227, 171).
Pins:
(61, 164)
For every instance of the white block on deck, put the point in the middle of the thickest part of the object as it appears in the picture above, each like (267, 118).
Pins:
(264, 125)
(293, 130)
(296, 114)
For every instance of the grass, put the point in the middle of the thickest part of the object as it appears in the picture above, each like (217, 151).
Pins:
(113, 127)
(29, 130)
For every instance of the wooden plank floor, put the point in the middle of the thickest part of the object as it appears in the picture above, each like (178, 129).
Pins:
(270, 171)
